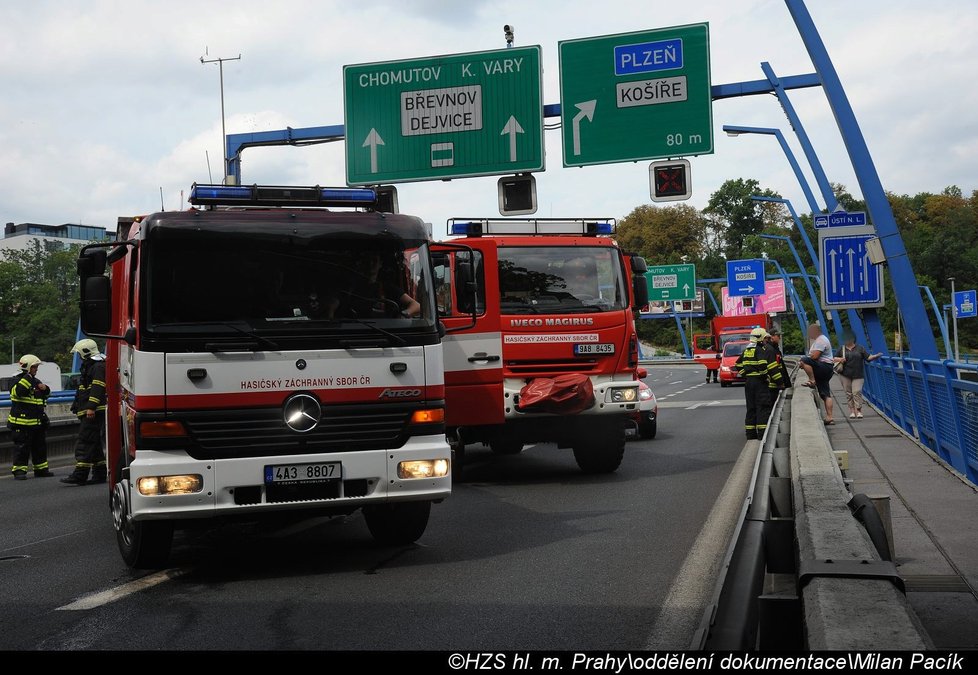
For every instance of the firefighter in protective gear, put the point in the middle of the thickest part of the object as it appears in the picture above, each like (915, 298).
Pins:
(89, 405)
(762, 376)
(27, 421)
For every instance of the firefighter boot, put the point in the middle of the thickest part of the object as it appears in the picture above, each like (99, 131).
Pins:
(98, 474)
(77, 477)
(20, 475)
(43, 473)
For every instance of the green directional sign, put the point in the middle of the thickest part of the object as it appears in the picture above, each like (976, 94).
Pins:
(671, 282)
(440, 117)
(635, 96)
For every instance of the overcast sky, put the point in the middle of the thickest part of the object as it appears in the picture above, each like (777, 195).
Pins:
(102, 103)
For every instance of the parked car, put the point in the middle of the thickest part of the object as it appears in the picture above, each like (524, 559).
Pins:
(731, 352)
(646, 417)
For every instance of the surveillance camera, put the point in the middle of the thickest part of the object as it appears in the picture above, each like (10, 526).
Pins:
(507, 28)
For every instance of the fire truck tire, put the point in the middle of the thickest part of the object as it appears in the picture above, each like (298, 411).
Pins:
(506, 446)
(599, 456)
(145, 544)
(399, 523)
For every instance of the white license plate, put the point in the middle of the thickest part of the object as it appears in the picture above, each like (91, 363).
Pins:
(304, 473)
(596, 348)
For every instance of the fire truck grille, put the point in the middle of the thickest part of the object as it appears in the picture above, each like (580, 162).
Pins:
(530, 367)
(228, 434)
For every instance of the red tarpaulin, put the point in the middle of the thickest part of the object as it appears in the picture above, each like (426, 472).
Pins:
(563, 395)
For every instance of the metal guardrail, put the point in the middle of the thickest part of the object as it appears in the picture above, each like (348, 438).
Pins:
(935, 401)
(731, 621)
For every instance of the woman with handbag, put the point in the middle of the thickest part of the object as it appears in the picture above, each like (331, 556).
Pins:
(850, 363)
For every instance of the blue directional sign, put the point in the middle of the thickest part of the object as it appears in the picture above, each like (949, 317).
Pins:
(840, 219)
(965, 304)
(745, 277)
(849, 279)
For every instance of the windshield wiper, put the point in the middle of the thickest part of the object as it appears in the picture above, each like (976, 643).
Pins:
(393, 336)
(226, 324)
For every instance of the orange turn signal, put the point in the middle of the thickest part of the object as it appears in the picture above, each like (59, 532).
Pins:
(168, 429)
(432, 416)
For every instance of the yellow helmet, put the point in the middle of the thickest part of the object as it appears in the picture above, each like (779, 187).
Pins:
(28, 361)
(87, 348)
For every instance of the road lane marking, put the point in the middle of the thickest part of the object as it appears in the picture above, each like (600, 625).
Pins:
(41, 541)
(105, 597)
(692, 589)
(677, 382)
(693, 405)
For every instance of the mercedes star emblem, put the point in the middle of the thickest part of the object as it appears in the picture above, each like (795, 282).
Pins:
(301, 413)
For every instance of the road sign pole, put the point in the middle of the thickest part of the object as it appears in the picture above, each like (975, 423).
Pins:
(922, 344)
(941, 320)
(682, 333)
(954, 315)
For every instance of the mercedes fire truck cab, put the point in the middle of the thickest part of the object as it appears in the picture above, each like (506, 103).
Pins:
(267, 355)
(549, 352)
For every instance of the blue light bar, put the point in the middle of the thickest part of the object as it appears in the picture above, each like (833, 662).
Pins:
(477, 227)
(274, 195)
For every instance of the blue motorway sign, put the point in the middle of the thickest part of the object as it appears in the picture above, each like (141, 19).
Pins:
(649, 57)
(965, 304)
(745, 277)
(840, 219)
(849, 280)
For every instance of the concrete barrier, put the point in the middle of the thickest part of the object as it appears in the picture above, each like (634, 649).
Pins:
(845, 607)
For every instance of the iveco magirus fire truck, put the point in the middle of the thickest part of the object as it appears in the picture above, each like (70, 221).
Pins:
(549, 352)
(267, 355)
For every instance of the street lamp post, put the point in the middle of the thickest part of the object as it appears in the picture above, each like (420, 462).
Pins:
(224, 134)
(804, 274)
(789, 287)
(941, 322)
(954, 318)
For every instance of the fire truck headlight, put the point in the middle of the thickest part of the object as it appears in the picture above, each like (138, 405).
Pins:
(623, 395)
(170, 485)
(423, 468)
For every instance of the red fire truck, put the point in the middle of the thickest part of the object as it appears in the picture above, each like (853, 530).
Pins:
(549, 351)
(266, 355)
(708, 347)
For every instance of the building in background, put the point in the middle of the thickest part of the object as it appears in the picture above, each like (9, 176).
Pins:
(19, 236)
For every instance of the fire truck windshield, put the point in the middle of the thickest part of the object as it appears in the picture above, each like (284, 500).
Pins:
(560, 279)
(275, 287)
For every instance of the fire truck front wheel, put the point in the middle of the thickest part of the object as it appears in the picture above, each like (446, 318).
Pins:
(399, 523)
(600, 453)
(143, 544)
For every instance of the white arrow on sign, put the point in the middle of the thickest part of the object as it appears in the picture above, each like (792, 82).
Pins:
(852, 271)
(866, 268)
(512, 128)
(585, 109)
(373, 140)
(832, 255)
(686, 289)
(749, 289)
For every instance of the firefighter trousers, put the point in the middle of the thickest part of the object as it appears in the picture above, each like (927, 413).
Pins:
(760, 401)
(89, 455)
(30, 445)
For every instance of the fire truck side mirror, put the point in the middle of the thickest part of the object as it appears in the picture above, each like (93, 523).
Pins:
(91, 263)
(96, 304)
(639, 266)
(640, 290)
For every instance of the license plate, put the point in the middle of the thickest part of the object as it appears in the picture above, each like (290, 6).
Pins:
(304, 473)
(594, 348)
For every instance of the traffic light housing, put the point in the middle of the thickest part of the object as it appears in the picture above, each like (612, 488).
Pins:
(517, 195)
(670, 180)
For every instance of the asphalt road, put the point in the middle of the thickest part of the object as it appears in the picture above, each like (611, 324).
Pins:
(527, 554)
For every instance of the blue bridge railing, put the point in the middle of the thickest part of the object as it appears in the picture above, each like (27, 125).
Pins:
(936, 401)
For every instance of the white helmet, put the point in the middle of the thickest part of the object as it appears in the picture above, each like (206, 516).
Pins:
(28, 361)
(86, 348)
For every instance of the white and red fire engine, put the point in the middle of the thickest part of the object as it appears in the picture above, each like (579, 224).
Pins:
(267, 355)
(548, 352)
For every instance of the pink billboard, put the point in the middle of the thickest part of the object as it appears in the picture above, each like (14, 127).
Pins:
(772, 302)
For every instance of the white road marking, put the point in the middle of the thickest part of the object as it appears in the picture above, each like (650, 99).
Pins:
(677, 382)
(105, 597)
(692, 405)
(41, 541)
(689, 594)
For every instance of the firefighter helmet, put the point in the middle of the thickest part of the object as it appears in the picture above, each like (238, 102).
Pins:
(28, 361)
(758, 334)
(86, 348)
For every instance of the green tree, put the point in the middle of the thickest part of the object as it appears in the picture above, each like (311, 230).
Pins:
(38, 300)
(663, 235)
(733, 215)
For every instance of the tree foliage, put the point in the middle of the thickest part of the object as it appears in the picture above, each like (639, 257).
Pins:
(39, 301)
